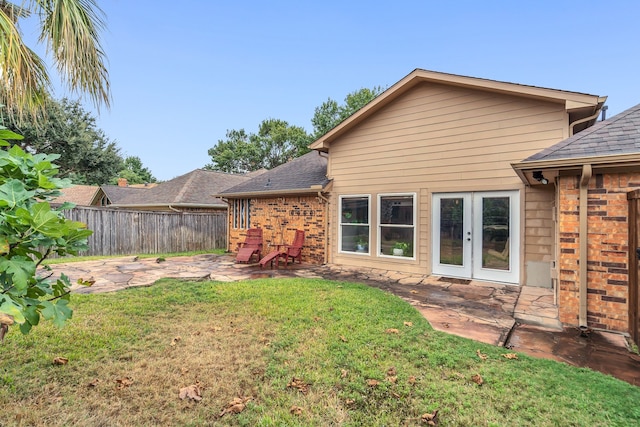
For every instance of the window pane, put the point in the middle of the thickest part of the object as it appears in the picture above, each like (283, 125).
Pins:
(355, 210)
(495, 233)
(355, 238)
(400, 238)
(396, 210)
(354, 229)
(451, 229)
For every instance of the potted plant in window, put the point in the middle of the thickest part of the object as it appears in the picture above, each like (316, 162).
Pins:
(361, 244)
(400, 248)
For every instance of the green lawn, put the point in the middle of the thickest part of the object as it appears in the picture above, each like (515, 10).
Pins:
(292, 352)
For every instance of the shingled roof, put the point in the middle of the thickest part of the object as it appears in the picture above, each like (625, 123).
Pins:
(194, 189)
(618, 135)
(82, 195)
(305, 174)
(116, 193)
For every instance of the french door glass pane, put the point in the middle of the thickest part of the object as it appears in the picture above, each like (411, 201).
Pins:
(451, 231)
(495, 233)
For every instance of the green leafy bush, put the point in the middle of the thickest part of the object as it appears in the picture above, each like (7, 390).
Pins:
(30, 231)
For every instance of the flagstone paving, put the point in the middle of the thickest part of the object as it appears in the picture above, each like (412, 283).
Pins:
(488, 312)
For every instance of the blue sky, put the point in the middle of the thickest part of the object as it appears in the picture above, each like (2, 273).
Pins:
(182, 73)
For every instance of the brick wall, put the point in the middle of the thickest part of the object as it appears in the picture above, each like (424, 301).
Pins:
(607, 258)
(279, 218)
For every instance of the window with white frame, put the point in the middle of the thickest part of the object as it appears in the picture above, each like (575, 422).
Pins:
(396, 213)
(354, 224)
(241, 213)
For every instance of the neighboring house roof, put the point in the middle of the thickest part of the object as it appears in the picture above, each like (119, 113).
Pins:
(578, 105)
(116, 193)
(610, 143)
(305, 174)
(82, 195)
(194, 189)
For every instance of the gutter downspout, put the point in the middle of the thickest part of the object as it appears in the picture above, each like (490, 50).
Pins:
(326, 227)
(584, 184)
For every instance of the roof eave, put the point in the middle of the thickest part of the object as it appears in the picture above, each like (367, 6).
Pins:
(166, 205)
(290, 192)
(524, 169)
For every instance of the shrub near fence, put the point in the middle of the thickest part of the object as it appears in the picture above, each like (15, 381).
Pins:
(126, 232)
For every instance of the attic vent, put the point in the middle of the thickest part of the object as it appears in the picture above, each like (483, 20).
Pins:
(268, 184)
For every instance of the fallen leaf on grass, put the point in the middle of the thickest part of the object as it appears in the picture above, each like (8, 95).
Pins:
(408, 324)
(373, 383)
(94, 383)
(477, 379)
(412, 380)
(510, 356)
(90, 281)
(184, 371)
(295, 410)
(391, 372)
(236, 406)
(344, 373)
(393, 379)
(316, 319)
(481, 355)
(60, 361)
(392, 331)
(343, 338)
(430, 419)
(349, 402)
(215, 329)
(175, 340)
(124, 382)
(299, 384)
(192, 392)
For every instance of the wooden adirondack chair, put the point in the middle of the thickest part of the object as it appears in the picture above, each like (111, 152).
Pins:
(252, 245)
(293, 250)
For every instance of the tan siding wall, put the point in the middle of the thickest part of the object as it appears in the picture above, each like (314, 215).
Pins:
(438, 138)
(539, 234)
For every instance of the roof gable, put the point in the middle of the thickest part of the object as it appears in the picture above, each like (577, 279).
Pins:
(82, 195)
(116, 193)
(579, 105)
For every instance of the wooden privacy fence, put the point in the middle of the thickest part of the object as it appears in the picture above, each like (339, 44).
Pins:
(125, 232)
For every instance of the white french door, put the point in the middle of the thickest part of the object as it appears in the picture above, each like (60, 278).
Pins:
(476, 235)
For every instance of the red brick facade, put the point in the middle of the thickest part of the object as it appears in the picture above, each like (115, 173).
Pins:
(608, 250)
(279, 217)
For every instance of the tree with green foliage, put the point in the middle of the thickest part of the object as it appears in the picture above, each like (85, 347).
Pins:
(30, 231)
(134, 172)
(65, 128)
(275, 143)
(330, 113)
(70, 29)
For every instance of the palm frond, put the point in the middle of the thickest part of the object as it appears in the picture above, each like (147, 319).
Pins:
(24, 80)
(70, 28)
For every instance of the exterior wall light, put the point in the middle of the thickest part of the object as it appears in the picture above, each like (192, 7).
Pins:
(537, 175)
